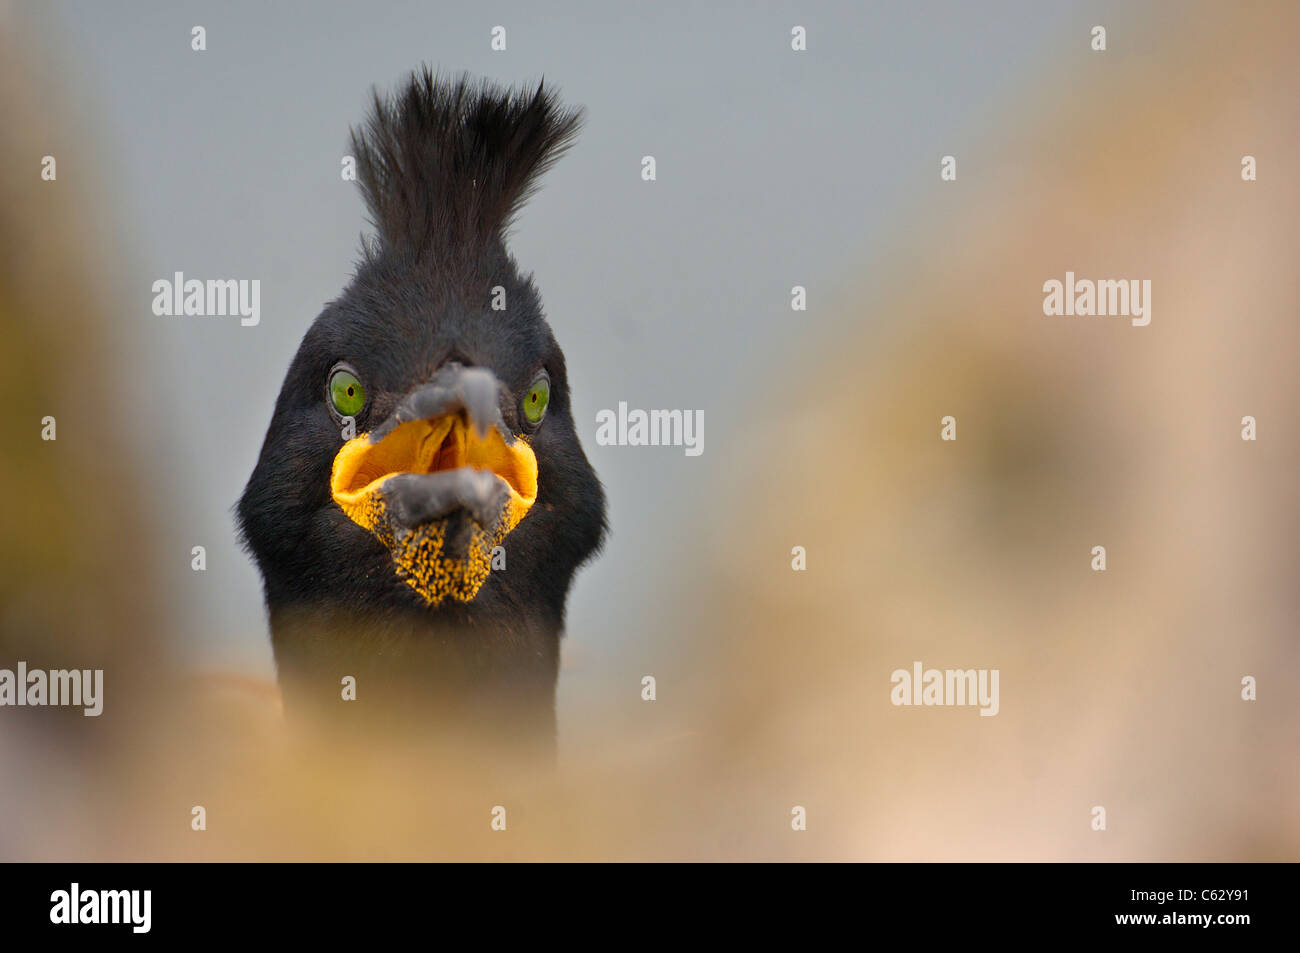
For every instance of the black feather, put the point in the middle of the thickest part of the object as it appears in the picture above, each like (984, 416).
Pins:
(445, 164)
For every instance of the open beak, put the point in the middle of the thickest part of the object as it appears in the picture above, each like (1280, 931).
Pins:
(441, 482)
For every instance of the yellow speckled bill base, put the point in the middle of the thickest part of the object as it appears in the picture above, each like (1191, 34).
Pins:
(431, 477)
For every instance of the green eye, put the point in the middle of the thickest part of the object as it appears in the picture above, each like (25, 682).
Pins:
(346, 393)
(535, 401)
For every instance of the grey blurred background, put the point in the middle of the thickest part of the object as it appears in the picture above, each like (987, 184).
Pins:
(775, 168)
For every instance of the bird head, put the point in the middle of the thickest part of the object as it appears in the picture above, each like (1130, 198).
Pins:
(422, 464)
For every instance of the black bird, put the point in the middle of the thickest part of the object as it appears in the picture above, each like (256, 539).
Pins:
(421, 501)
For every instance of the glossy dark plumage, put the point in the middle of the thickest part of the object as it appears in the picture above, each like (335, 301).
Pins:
(444, 166)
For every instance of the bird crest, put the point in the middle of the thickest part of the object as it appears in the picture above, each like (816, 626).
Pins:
(445, 164)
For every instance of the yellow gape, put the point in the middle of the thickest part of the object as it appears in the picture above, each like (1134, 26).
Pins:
(437, 446)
